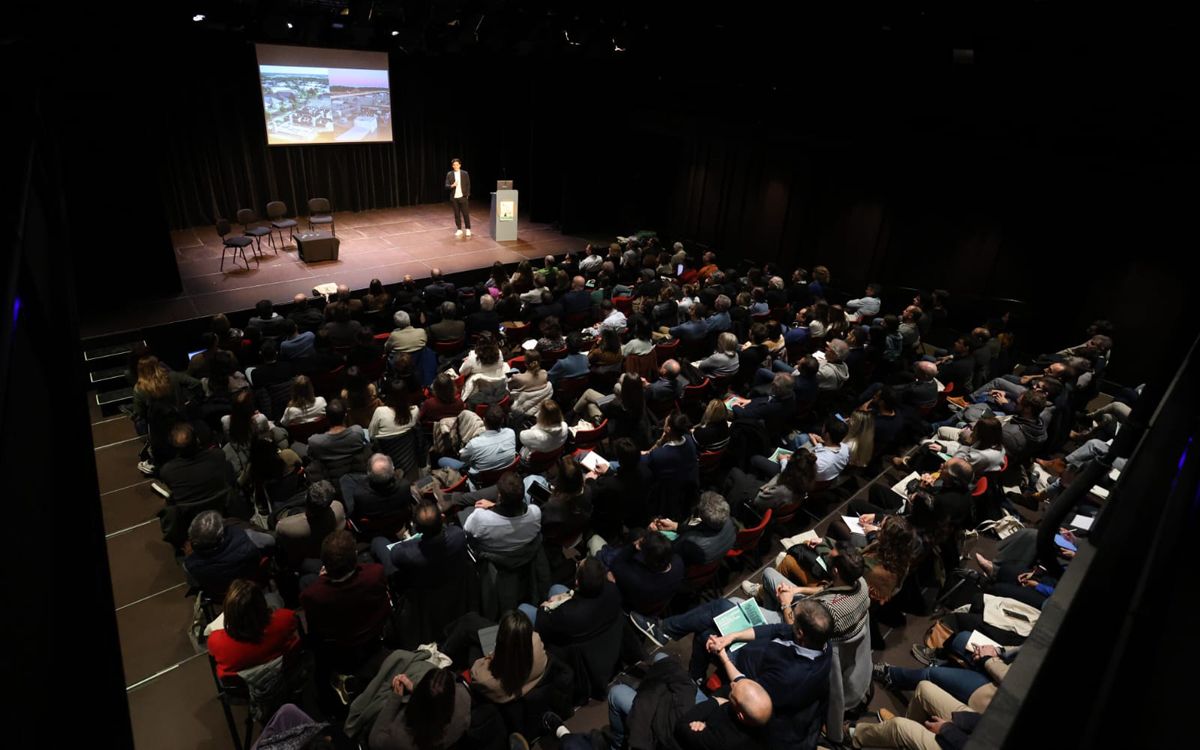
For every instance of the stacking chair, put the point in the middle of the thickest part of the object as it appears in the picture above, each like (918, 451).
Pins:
(319, 213)
(277, 215)
(252, 227)
(237, 244)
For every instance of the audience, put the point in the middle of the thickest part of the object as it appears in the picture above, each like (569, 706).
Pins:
(621, 535)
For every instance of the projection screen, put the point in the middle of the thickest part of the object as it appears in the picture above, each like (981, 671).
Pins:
(313, 95)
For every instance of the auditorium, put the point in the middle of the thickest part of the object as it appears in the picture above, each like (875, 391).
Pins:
(495, 375)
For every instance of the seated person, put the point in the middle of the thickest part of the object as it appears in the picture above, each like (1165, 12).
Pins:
(565, 515)
(405, 337)
(705, 538)
(342, 449)
(647, 571)
(432, 545)
(934, 720)
(507, 524)
(790, 662)
(694, 328)
(437, 714)
(661, 712)
(304, 406)
(866, 306)
(712, 434)
(381, 493)
(775, 407)
(347, 605)
(832, 454)
(516, 666)
(620, 491)
(529, 389)
(299, 535)
(675, 458)
(195, 474)
(577, 616)
(844, 593)
(724, 362)
(444, 401)
(218, 552)
(782, 488)
(252, 634)
(670, 383)
(494, 448)
(833, 372)
(574, 364)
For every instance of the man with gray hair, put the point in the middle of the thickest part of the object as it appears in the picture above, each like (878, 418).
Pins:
(405, 337)
(380, 493)
(705, 538)
(719, 320)
(485, 319)
(217, 553)
(833, 371)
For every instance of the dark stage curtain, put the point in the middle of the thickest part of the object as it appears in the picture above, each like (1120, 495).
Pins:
(217, 161)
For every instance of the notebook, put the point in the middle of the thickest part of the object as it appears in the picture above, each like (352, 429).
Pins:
(781, 455)
(1082, 522)
(743, 616)
(901, 487)
(854, 524)
(978, 639)
(592, 459)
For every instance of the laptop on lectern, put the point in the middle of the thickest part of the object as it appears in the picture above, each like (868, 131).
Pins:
(504, 184)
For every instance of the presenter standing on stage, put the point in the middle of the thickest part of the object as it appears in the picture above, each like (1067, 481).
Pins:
(458, 182)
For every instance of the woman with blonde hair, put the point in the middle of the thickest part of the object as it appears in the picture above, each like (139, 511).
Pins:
(712, 434)
(724, 361)
(304, 405)
(549, 433)
(860, 437)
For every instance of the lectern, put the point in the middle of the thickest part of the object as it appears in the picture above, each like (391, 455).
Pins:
(504, 212)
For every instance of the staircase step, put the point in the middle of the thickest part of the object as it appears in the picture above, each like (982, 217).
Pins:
(109, 352)
(109, 373)
(111, 398)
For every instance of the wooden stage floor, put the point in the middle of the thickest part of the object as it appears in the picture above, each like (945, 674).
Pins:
(384, 244)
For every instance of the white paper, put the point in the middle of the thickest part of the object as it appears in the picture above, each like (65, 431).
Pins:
(1114, 474)
(592, 460)
(1082, 522)
(854, 524)
(1100, 492)
(978, 639)
(803, 538)
(901, 487)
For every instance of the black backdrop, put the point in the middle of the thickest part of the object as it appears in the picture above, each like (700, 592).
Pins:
(1044, 172)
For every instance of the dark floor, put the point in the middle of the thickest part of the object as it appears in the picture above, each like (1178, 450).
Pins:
(384, 244)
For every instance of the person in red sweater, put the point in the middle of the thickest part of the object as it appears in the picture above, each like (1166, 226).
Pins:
(348, 603)
(253, 634)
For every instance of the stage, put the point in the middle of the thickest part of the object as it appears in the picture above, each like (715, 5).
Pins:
(384, 244)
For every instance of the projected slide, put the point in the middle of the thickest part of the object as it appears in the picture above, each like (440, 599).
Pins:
(324, 96)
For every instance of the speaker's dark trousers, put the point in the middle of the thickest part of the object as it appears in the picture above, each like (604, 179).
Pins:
(462, 212)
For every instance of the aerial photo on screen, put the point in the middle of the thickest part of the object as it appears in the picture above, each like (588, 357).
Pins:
(325, 105)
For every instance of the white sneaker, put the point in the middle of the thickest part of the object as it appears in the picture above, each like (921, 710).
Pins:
(468, 232)
(750, 588)
(458, 233)
(146, 468)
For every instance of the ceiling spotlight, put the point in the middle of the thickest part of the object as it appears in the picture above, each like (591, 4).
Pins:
(198, 17)
(290, 26)
(395, 33)
(616, 47)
